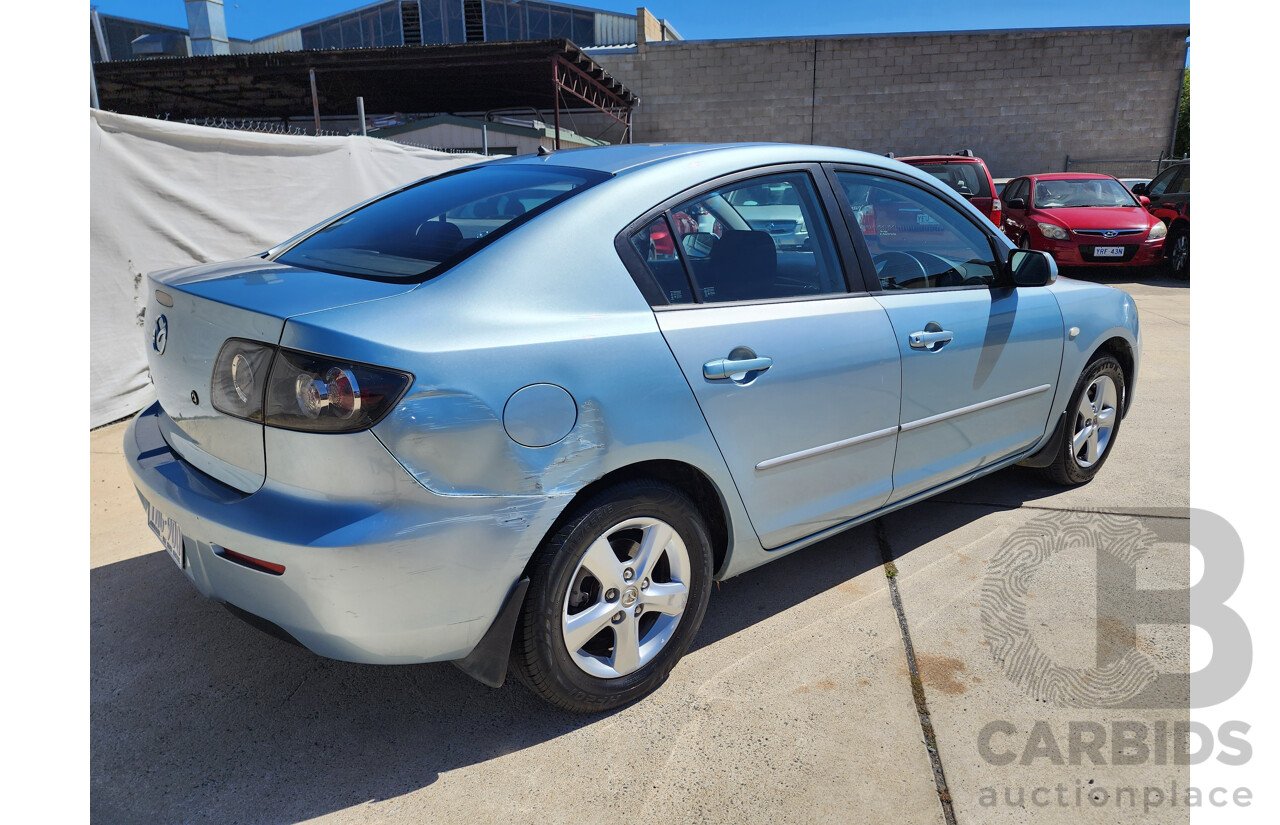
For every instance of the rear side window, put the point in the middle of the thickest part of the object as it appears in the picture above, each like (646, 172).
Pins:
(755, 240)
(657, 246)
(421, 231)
(969, 179)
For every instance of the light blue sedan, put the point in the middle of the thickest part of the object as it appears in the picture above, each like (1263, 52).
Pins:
(521, 415)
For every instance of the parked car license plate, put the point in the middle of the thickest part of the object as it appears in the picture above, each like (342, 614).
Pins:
(166, 529)
(1108, 251)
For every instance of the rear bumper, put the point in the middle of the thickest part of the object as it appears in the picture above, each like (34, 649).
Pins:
(401, 575)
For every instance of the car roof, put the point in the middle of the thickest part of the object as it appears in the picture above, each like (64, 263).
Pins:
(1069, 176)
(625, 158)
(940, 159)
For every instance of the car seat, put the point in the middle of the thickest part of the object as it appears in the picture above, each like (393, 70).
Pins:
(743, 265)
(437, 241)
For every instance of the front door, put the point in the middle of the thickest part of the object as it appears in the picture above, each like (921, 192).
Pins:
(979, 361)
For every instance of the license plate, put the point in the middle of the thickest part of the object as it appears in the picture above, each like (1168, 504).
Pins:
(1108, 251)
(166, 529)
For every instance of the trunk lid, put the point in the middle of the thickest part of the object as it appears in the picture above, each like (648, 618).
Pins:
(192, 311)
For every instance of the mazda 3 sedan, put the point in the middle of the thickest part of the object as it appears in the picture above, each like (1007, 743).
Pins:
(518, 417)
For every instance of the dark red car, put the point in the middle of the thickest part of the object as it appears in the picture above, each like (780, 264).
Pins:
(967, 175)
(1082, 220)
(1169, 196)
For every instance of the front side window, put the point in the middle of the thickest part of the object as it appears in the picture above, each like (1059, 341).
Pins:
(761, 239)
(916, 239)
(1080, 192)
(1182, 186)
(1161, 183)
(419, 232)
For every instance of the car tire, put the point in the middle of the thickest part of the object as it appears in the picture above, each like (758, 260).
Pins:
(1024, 242)
(1179, 253)
(590, 636)
(1091, 423)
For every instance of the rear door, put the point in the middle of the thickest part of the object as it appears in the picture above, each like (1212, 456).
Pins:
(796, 374)
(979, 361)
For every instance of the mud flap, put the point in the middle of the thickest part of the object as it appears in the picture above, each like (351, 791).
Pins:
(1047, 454)
(487, 663)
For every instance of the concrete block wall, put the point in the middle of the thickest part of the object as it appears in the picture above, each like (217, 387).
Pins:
(1021, 99)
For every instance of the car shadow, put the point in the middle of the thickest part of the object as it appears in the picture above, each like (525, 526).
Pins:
(196, 716)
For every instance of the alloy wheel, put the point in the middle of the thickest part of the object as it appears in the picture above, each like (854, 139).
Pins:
(1095, 421)
(626, 597)
(1181, 254)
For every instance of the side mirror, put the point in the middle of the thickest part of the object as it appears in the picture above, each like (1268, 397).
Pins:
(1139, 189)
(1144, 200)
(1031, 267)
(1016, 203)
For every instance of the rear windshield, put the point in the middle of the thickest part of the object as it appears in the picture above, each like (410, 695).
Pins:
(419, 232)
(966, 178)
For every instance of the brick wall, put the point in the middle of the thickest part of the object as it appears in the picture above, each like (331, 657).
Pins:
(1022, 100)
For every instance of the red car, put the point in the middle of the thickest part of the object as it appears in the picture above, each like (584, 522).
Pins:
(1082, 220)
(967, 175)
(1170, 201)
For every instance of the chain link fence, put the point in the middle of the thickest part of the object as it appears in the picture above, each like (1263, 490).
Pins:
(1121, 168)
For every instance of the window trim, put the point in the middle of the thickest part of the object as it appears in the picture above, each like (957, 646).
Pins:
(999, 252)
(847, 260)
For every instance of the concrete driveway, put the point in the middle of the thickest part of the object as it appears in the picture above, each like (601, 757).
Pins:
(796, 703)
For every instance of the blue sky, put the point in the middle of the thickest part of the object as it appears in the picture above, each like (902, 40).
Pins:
(704, 19)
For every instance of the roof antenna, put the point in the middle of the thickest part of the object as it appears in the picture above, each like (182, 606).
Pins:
(542, 150)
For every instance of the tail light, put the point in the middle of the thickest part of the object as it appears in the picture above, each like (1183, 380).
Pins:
(300, 391)
(995, 205)
(240, 378)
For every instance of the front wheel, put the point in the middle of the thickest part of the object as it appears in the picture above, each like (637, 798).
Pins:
(1091, 422)
(615, 598)
(1179, 243)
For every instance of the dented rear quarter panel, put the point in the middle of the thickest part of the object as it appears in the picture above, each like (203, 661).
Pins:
(550, 304)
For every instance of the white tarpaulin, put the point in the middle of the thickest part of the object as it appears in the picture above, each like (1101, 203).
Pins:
(167, 194)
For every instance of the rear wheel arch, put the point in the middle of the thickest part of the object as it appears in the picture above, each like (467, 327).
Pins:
(687, 478)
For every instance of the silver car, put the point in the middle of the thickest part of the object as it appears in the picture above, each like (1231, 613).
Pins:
(516, 416)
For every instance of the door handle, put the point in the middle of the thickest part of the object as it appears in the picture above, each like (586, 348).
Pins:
(725, 367)
(931, 339)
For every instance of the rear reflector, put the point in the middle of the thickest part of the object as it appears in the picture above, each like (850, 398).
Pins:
(250, 562)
